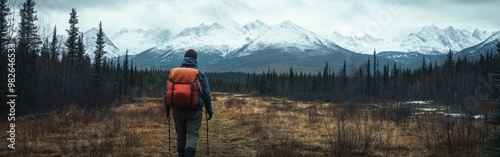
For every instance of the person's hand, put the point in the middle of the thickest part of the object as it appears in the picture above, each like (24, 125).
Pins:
(210, 116)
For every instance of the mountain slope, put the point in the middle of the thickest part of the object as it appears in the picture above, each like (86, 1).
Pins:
(475, 51)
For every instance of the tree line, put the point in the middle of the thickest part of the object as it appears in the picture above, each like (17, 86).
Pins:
(51, 75)
(449, 83)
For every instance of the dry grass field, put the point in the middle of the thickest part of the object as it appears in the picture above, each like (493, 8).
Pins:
(245, 125)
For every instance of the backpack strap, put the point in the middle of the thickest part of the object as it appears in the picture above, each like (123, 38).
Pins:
(172, 93)
(192, 94)
(200, 82)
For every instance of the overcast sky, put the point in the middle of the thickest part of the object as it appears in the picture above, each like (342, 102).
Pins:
(386, 19)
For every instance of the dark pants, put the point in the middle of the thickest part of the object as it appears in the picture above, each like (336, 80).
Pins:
(187, 125)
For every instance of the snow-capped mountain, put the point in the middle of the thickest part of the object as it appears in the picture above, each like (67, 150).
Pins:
(364, 45)
(255, 43)
(255, 29)
(90, 37)
(138, 40)
(430, 40)
(214, 39)
(490, 44)
(230, 39)
(433, 40)
(229, 43)
(290, 38)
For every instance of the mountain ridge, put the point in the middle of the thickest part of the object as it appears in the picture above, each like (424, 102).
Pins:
(223, 41)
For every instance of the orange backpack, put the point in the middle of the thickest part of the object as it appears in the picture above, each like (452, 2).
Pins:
(183, 88)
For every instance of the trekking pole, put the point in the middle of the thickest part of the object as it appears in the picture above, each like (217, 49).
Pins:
(168, 135)
(208, 148)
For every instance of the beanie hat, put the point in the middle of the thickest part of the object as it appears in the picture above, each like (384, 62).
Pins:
(191, 53)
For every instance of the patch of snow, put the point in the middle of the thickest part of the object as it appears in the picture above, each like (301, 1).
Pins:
(427, 109)
(455, 115)
(478, 116)
(419, 102)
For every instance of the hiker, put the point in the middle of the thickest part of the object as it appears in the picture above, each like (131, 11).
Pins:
(188, 119)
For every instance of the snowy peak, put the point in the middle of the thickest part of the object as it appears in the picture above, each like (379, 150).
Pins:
(257, 24)
(255, 30)
(202, 29)
(289, 37)
(492, 38)
(290, 26)
(429, 40)
(89, 39)
(364, 44)
(433, 40)
(429, 29)
(480, 35)
(137, 40)
(368, 38)
(487, 45)
(229, 37)
(214, 28)
(233, 26)
(218, 39)
(91, 31)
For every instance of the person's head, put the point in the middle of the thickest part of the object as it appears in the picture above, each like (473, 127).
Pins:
(191, 53)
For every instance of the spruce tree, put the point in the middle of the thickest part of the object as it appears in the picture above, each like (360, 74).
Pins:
(4, 26)
(53, 47)
(449, 63)
(375, 63)
(72, 41)
(119, 79)
(386, 75)
(45, 52)
(125, 73)
(424, 66)
(290, 78)
(4, 40)
(43, 65)
(99, 51)
(376, 74)
(29, 40)
(326, 85)
(27, 54)
(368, 83)
(80, 50)
(344, 75)
(132, 74)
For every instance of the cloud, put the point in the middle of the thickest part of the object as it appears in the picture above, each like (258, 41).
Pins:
(376, 18)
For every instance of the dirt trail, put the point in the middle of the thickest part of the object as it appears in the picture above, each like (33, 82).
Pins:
(226, 139)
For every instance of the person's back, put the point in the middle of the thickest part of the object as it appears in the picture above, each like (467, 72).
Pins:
(188, 121)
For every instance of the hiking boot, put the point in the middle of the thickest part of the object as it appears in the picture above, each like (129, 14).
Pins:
(181, 152)
(190, 152)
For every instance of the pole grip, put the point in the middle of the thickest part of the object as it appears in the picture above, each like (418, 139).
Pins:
(168, 118)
